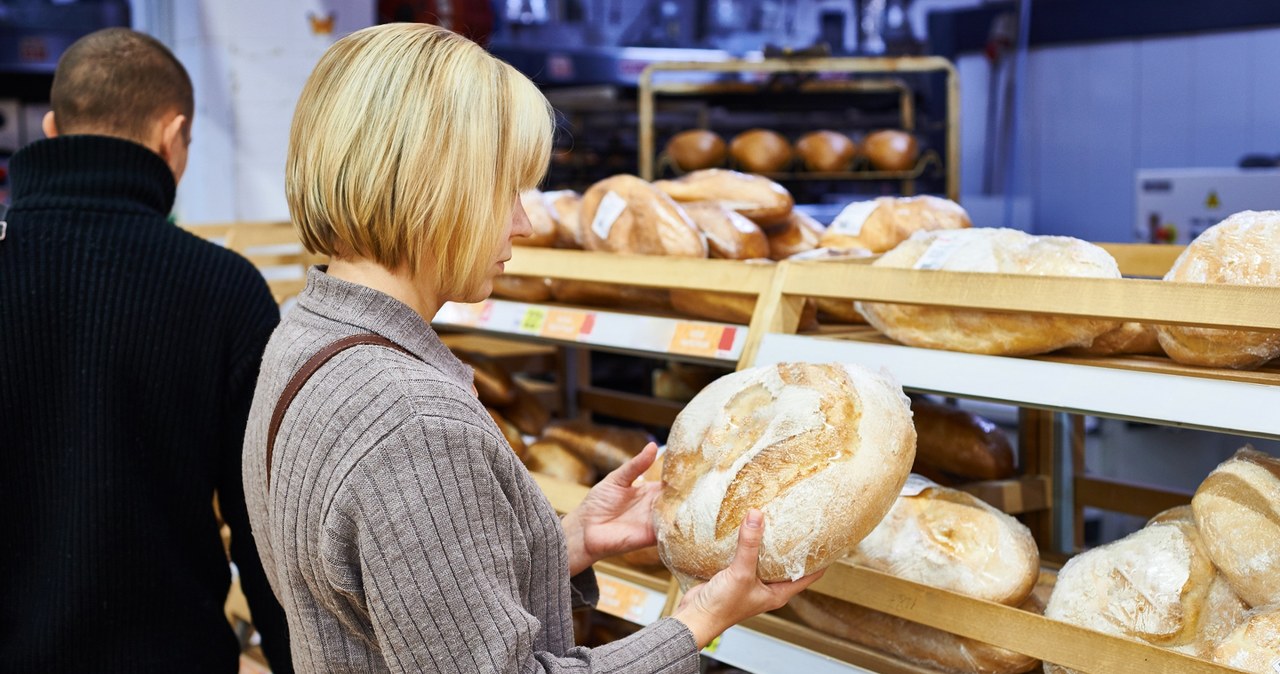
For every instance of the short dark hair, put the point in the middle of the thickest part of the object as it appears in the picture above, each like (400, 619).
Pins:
(118, 82)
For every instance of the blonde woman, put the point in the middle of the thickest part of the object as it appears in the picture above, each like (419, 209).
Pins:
(396, 525)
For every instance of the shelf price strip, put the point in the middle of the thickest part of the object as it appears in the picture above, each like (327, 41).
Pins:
(702, 339)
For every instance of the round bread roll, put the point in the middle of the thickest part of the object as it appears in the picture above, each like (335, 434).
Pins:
(730, 236)
(760, 151)
(1129, 338)
(1155, 585)
(1244, 249)
(954, 541)
(891, 150)
(1254, 646)
(799, 233)
(826, 151)
(625, 214)
(821, 449)
(553, 460)
(960, 443)
(1004, 251)
(1237, 509)
(521, 288)
(696, 149)
(885, 222)
(544, 225)
(761, 200)
(565, 206)
(605, 448)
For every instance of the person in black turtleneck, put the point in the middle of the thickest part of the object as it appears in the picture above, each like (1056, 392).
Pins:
(129, 351)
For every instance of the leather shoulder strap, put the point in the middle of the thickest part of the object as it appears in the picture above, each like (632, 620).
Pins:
(309, 368)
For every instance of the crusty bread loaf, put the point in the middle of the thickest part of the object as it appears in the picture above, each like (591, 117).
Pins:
(797, 234)
(1237, 509)
(552, 459)
(1155, 585)
(1223, 611)
(730, 235)
(625, 214)
(885, 222)
(1129, 338)
(891, 150)
(954, 541)
(760, 151)
(759, 199)
(933, 648)
(509, 431)
(493, 383)
(838, 312)
(1180, 513)
(1254, 645)
(821, 449)
(566, 206)
(521, 288)
(826, 151)
(596, 294)
(733, 308)
(991, 250)
(696, 149)
(526, 412)
(606, 448)
(540, 218)
(1244, 249)
(960, 443)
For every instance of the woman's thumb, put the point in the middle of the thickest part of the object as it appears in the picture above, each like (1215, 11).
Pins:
(749, 536)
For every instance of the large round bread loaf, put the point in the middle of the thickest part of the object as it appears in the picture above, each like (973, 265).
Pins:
(960, 443)
(826, 151)
(760, 151)
(1254, 646)
(696, 149)
(540, 218)
(730, 235)
(880, 224)
(761, 200)
(821, 449)
(891, 150)
(798, 233)
(1237, 509)
(1156, 585)
(954, 541)
(1244, 249)
(624, 214)
(1004, 251)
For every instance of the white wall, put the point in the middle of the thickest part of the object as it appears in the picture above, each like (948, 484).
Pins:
(1094, 114)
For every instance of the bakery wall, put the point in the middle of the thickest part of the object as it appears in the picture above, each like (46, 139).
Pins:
(1094, 114)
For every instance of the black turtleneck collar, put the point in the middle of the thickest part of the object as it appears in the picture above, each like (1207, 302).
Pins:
(91, 173)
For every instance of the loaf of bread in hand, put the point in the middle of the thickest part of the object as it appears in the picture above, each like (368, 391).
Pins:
(761, 200)
(1005, 251)
(821, 449)
(1237, 509)
(624, 214)
(880, 224)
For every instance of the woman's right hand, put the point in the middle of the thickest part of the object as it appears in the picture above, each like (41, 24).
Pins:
(736, 593)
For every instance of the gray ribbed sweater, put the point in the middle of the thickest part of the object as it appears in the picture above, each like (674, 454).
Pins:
(401, 533)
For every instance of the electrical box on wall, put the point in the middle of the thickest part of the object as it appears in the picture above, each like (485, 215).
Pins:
(1176, 205)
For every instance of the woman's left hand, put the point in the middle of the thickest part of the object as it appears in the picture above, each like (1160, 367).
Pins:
(616, 516)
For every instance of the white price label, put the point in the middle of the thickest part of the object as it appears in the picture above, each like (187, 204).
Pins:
(853, 217)
(937, 253)
(916, 484)
(611, 206)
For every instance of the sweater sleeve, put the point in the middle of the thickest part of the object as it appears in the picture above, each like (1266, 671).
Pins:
(436, 539)
(268, 617)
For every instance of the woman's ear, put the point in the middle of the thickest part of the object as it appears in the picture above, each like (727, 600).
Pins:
(173, 145)
(49, 125)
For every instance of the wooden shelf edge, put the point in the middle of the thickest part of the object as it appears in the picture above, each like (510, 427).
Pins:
(1126, 497)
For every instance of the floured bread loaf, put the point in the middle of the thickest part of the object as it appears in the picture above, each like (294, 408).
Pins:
(1244, 249)
(1237, 509)
(822, 450)
(625, 214)
(911, 641)
(1004, 251)
(1254, 646)
(1155, 585)
(954, 541)
(761, 200)
(606, 448)
(959, 443)
(1222, 613)
(730, 235)
(1180, 513)
(826, 151)
(760, 151)
(797, 234)
(565, 206)
(885, 222)
(540, 218)
(521, 288)
(1129, 338)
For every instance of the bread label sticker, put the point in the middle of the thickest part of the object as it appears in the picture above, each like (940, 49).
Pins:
(533, 319)
(853, 217)
(944, 244)
(916, 484)
(611, 206)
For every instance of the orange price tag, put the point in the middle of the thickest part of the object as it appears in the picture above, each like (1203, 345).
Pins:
(562, 324)
(696, 339)
(620, 599)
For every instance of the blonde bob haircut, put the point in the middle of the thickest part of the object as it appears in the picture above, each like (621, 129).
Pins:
(408, 147)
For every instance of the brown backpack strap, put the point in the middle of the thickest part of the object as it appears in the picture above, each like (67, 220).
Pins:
(309, 368)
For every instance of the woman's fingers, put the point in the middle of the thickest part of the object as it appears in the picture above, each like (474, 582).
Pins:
(627, 473)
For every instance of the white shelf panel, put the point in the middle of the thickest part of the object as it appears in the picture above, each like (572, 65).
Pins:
(596, 327)
(1178, 400)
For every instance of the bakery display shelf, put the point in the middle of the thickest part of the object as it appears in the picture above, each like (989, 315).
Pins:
(929, 160)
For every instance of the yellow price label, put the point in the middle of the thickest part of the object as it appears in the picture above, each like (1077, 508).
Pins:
(533, 319)
(714, 645)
